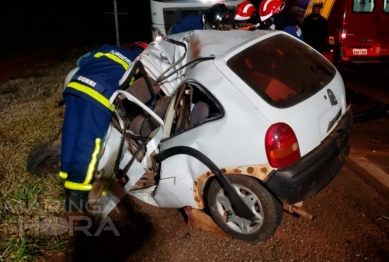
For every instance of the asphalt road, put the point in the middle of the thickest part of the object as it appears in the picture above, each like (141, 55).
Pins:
(370, 151)
(351, 224)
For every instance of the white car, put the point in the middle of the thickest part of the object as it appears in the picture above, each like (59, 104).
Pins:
(260, 108)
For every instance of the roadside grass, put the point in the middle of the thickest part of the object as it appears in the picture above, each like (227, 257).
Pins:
(28, 203)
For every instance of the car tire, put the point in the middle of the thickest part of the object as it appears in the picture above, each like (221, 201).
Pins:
(44, 159)
(267, 208)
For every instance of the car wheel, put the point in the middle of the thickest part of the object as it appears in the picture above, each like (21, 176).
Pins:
(267, 209)
(45, 158)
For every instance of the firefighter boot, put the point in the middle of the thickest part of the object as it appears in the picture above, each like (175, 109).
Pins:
(76, 214)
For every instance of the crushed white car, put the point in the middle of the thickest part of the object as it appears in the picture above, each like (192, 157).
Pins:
(237, 124)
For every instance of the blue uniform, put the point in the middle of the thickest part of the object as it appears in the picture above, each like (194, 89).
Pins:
(287, 22)
(294, 31)
(187, 23)
(88, 112)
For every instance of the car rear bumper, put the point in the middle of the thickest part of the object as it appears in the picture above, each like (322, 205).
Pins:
(313, 172)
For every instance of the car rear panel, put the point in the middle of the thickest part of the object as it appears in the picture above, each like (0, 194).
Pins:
(288, 82)
(313, 119)
(294, 84)
(313, 172)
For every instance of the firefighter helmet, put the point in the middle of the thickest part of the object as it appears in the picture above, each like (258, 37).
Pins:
(245, 11)
(216, 15)
(269, 8)
(139, 45)
(70, 75)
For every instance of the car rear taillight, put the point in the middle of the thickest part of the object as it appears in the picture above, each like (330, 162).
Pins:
(342, 34)
(282, 148)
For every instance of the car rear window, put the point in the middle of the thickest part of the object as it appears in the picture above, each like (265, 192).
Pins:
(282, 70)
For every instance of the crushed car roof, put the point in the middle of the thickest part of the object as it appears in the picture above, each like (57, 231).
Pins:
(205, 43)
(166, 59)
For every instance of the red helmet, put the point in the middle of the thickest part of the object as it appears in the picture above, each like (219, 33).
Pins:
(140, 44)
(245, 11)
(268, 8)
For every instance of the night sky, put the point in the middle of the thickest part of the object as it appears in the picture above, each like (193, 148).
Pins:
(26, 26)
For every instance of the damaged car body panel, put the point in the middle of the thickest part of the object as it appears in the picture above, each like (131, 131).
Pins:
(108, 189)
(225, 123)
(223, 105)
(163, 57)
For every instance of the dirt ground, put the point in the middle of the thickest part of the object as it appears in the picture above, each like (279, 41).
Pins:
(351, 224)
(349, 231)
(350, 219)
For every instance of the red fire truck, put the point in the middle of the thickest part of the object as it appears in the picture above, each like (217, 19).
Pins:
(358, 29)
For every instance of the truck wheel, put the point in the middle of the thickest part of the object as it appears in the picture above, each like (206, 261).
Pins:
(44, 159)
(264, 205)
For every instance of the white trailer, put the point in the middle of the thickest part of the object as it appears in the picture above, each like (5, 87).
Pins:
(165, 13)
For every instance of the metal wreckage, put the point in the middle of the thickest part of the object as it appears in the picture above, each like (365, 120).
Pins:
(224, 125)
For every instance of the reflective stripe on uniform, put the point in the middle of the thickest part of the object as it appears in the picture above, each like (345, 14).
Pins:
(86, 185)
(93, 162)
(92, 93)
(112, 57)
(132, 81)
(63, 175)
(77, 186)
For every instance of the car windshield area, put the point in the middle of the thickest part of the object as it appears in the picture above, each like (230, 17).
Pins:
(282, 70)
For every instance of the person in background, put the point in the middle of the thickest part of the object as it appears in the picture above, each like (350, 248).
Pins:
(275, 16)
(245, 16)
(315, 28)
(216, 17)
(86, 120)
(298, 7)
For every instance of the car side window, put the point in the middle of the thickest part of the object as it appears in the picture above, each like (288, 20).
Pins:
(193, 106)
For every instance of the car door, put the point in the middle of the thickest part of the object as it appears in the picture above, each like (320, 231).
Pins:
(189, 123)
(126, 157)
(156, 62)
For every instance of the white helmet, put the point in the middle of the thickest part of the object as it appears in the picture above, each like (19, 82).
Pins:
(70, 75)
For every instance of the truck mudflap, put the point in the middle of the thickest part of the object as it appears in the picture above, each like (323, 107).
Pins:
(313, 172)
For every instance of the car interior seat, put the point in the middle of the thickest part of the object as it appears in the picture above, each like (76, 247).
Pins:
(140, 90)
(191, 108)
(143, 125)
(199, 113)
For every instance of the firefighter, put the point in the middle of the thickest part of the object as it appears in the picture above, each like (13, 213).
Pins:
(245, 16)
(87, 117)
(215, 18)
(275, 16)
